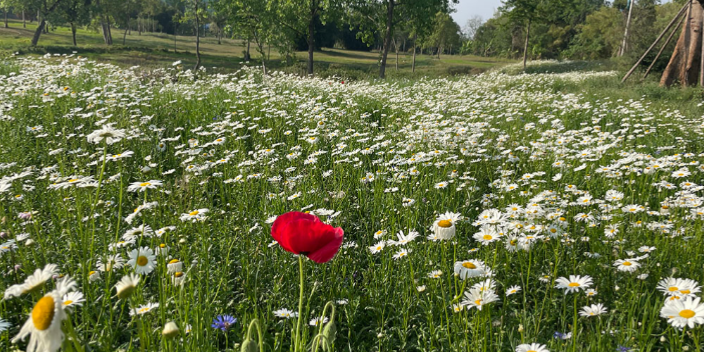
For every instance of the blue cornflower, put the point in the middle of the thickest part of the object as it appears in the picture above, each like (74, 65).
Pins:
(623, 349)
(223, 322)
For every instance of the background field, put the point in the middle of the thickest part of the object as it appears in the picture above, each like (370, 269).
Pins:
(158, 50)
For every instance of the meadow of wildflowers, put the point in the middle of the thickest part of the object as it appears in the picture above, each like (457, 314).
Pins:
(487, 213)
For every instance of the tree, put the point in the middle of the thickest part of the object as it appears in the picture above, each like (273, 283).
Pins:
(251, 19)
(301, 17)
(472, 26)
(599, 36)
(525, 11)
(45, 8)
(75, 13)
(195, 12)
(383, 16)
(446, 32)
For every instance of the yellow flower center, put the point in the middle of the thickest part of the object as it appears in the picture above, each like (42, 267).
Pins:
(488, 237)
(193, 213)
(43, 313)
(91, 272)
(68, 302)
(478, 302)
(163, 245)
(687, 314)
(627, 263)
(144, 184)
(142, 260)
(686, 292)
(445, 223)
(178, 274)
(469, 265)
(573, 284)
(673, 288)
(173, 261)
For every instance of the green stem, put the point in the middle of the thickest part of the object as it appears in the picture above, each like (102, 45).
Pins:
(300, 305)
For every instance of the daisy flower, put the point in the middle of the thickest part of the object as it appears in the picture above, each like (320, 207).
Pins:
(477, 298)
(435, 274)
(44, 323)
(444, 225)
(627, 265)
(318, 321)
(593, 310)
(142, 260)
(285, 313)
(470, 268)
(126, 286)
(377, 247)
(195, 215)
(143, 186)
(574, 283)
(144, 309)
(513, 290)
(683, 312)
(107, 133)
(33, 282)
(401, 253)
(73, 299)
(533, 347)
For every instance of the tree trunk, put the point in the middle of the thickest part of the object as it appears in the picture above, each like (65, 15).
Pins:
(413, 66)
(685, 62)
(109, 31)
(197, 38)
(38, 32)
(625, 33)
(387, 37)
(124, 37)
(73, 33)
(219, 34)
(24, 21)
(311, 35)
(247, 57)
(395, 42)
(6, 26)
(525, 47)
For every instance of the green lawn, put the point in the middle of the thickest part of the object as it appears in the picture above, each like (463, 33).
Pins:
(158, 50)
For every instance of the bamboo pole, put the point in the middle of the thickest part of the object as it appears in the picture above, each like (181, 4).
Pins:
(630, 72)
(669, 38)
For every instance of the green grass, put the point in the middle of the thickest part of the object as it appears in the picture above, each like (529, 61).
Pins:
(152, 50)
(370, 157)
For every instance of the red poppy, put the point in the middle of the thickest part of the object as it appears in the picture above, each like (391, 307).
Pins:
(301, 233)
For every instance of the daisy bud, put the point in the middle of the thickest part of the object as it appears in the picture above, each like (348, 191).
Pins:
(520, 327)
(249, 346)
(170, 330)
(329, 331)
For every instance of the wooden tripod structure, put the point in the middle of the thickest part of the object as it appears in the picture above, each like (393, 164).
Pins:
(687, 61)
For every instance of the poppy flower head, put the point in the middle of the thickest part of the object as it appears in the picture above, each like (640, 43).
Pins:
(301, 233)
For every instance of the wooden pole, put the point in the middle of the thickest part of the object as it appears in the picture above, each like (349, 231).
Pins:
(701, 62)
(669, 38)
(630, 72)
(628, 24)
(686, 43)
